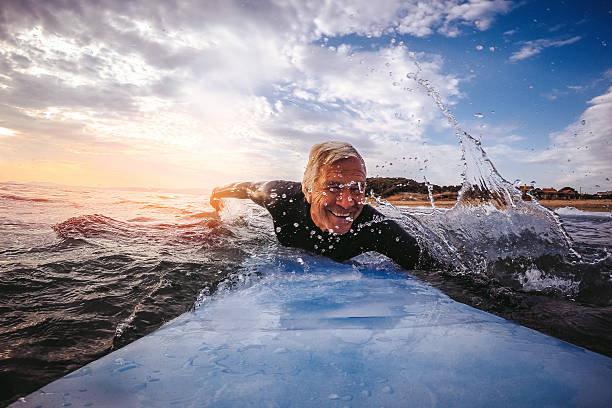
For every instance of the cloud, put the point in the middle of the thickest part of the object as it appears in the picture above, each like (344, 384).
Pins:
(491, 134)
(214, 82)
(579, 155)
(446, 17)
(531, 48)
(586, 144)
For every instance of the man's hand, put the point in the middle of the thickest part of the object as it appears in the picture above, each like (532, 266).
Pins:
(215, 200)
(237, 190)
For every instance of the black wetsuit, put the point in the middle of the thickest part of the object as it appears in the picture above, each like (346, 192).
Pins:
(370, 231)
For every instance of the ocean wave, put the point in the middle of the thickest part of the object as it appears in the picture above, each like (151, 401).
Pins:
(141, 219)
(85, 229)
(20, 198)
(91, 226)
(576, 212)
(535, 280)
(165, 208)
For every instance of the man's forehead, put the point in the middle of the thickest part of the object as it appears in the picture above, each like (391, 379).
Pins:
(345, 170)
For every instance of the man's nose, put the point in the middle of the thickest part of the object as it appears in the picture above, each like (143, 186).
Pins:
(344, 199)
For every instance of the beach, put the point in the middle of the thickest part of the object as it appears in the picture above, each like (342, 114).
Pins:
(413, 200)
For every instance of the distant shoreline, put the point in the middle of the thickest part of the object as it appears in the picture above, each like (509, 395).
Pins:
(594, 205)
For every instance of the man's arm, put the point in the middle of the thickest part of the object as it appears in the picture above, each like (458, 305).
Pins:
(404, 249)
(398, 245)
(254, 191)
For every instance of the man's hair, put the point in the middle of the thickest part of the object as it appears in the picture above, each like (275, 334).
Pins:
(326, 153)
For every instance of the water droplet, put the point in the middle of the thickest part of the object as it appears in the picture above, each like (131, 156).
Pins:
(295, 224)
(583, 122)
(491, 48)
(393, 41)
(387, 389)
(273, 195)
(334, 396)
(278, 229)
(479, 115)
(479, 47)
(395, 83)
(366, 393)
(604, 44)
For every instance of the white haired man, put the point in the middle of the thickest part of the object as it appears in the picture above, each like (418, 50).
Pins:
(326, 213)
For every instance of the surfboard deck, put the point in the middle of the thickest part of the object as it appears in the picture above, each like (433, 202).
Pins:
(329, 334)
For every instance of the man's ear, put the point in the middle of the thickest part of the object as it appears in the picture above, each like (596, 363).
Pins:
(309, 197)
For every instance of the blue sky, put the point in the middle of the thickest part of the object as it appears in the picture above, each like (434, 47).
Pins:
(197, 93)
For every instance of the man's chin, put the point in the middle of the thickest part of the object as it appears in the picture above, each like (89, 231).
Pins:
(341, 230)
(341, 225)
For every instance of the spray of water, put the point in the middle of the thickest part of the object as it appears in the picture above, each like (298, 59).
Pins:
(490, 224)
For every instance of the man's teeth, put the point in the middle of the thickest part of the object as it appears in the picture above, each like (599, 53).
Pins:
(340, 214)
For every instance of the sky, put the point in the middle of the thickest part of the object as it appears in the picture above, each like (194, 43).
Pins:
(198, 93)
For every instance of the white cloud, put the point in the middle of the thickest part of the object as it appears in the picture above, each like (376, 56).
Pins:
(587, 144)
(531, 48)
(4, 132)
(495, 134)
(446, 17)
(218, 82)
(419, 18)
(580, 155)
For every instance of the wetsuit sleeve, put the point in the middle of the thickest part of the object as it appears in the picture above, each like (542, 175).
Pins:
(394, 242)
(278, 195)
(261, 193)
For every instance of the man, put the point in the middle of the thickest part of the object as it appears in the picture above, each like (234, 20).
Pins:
(326, 213)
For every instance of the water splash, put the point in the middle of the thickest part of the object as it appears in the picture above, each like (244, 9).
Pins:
(490, 220)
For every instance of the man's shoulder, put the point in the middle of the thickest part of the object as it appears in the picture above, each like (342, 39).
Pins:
(369, 213)
(280, 187)
(282, 193)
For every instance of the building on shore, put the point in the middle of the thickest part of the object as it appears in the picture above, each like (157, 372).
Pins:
(566, 193)
(604, 194)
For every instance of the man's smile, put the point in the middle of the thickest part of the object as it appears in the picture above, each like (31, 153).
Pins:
(340, 214)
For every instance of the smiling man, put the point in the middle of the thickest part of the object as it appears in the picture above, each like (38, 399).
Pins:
(326, 213)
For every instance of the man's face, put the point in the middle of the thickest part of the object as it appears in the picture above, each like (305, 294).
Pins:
(338, 194)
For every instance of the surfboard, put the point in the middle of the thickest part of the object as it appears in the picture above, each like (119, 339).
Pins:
(312, 332)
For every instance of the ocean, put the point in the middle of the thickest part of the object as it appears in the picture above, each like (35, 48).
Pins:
(84, 271)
